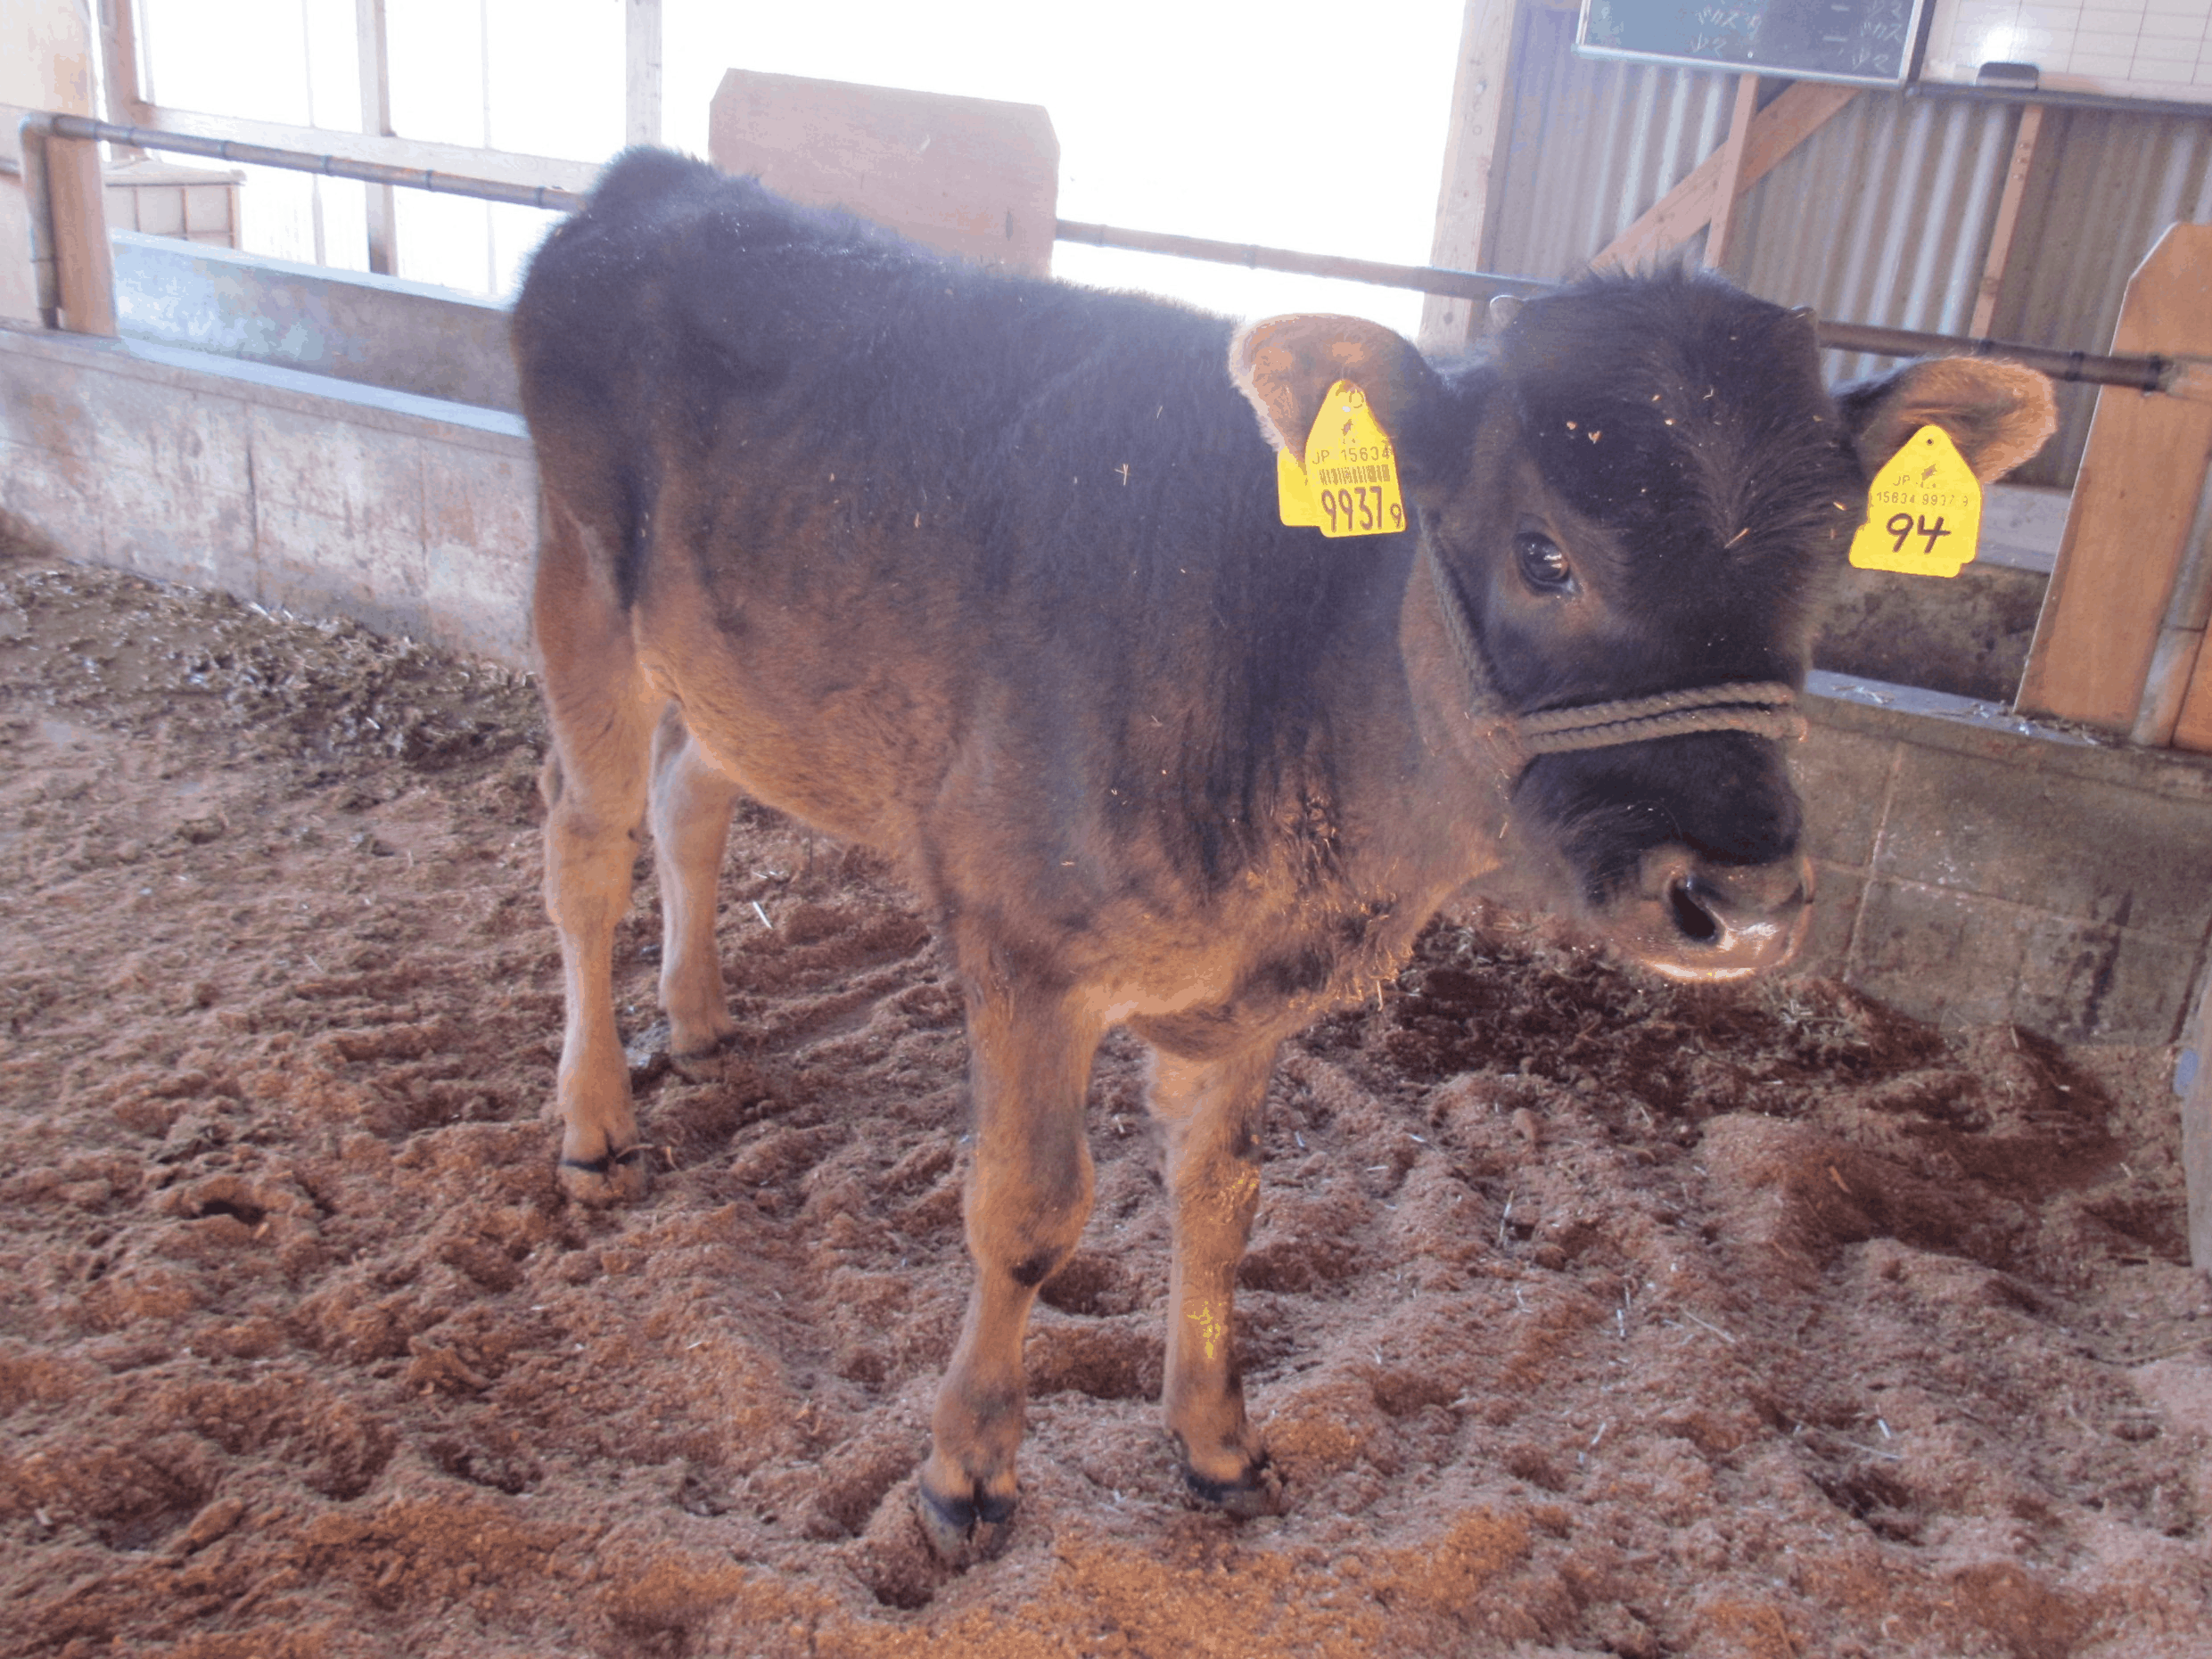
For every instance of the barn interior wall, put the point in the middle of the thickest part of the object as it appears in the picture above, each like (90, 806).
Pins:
(295, 491)
(1883, 216)
(417, 516)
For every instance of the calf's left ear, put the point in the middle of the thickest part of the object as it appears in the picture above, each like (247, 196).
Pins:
(1998, 414)
(1286, 366)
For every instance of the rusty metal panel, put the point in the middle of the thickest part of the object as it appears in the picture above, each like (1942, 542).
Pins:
(1883, 216)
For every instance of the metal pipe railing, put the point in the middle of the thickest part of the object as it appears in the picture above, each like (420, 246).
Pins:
(546, 196)
(2179, 376)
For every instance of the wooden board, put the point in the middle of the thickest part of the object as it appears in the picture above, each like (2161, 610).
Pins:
(972, 176)
(1479, 106)
(2133, 501)
(1729, 186)
(84, 265)
(1800, 111)
(2197, 1140)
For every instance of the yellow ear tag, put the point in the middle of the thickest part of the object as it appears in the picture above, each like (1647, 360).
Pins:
(1293, 499)
(1351, 471)
(1924, 511)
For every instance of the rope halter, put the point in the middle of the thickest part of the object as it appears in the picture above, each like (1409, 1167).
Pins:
(1765, 708)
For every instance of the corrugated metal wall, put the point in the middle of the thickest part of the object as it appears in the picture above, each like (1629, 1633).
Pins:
(1883, 216)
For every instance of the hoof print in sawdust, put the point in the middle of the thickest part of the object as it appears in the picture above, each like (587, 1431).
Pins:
(617, 1177)
(1125, 1359)
(1093, 1285)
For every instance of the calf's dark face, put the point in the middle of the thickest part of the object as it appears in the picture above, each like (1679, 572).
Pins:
(1643, 488)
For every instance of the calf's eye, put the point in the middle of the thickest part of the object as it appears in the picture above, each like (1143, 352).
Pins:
(1543, 567)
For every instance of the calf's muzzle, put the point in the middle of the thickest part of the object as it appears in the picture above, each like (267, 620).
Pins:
(1691, 918)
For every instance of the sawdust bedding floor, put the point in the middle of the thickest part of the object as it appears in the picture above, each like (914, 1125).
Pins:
(1584, 1315)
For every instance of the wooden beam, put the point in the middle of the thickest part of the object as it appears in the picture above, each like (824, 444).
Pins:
(2197, 1133)
(2133, 501)
(2001, 232)
(118, 64)
(1480, 109)
(1803, 109)
(375, 61)
(641, 79)
(84, 263)
(1729, 182)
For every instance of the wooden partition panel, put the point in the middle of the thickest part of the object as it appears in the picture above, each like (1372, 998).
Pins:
(2134, 503)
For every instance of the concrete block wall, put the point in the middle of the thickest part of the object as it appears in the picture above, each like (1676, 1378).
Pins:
(1971, 867)
(1974, 866)
(414, 516)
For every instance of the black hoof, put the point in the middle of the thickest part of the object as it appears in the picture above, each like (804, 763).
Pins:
(1258, 1492)
(965, 1531)
(614, 1178)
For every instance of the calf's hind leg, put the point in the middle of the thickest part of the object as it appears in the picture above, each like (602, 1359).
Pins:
(1211, 1111)
(693, 800)
(602, 715)
(1028, 1194)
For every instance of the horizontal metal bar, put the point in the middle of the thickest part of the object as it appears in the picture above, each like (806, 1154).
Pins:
(2148, 373)
(1428, 278)
(2145, 374)
(545, 196)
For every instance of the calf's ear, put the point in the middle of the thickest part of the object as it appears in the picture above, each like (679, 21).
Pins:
(1286, 366)
(1998, 414)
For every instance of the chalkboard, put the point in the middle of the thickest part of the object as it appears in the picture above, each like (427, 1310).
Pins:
(1868, 41)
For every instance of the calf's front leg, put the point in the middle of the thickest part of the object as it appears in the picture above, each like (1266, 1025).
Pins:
(1211, 1111)
(1028, 1190)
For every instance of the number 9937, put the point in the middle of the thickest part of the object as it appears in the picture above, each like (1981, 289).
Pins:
(1358, 510)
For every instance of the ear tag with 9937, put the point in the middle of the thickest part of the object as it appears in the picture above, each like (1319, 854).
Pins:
(1923, 511)
(1349, 483)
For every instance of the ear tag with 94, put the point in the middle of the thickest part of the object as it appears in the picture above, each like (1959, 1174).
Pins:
(1923, 511)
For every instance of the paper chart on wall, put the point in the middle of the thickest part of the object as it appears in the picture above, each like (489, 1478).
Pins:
(2160, 49)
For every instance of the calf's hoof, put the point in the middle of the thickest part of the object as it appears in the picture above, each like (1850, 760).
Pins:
(1257, 1491)
(965, 1531)
(703, 1064)
(613, 1178)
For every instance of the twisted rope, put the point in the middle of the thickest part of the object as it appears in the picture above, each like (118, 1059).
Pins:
(1765, 708)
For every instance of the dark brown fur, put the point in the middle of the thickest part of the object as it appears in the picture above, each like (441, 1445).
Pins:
(987, 572)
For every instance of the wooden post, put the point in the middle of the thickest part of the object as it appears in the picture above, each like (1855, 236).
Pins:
(2133, 501)
(383, 207)
(641, 79)
(83, 263)
(1803, 109)
(2007, 223)
(126, 105)
(2197, 1137)
(1480, 109)
(1727, 184)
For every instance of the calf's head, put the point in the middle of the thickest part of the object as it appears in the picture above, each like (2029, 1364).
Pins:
(1631, 502)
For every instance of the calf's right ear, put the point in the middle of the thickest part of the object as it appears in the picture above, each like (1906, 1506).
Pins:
(1998, 414)
(1286, 366)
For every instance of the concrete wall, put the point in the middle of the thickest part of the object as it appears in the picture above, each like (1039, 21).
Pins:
(1972, 867)
(380, 330)
(414, 516)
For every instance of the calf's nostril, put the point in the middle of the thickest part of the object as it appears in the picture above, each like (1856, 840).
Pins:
(1693, 919)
